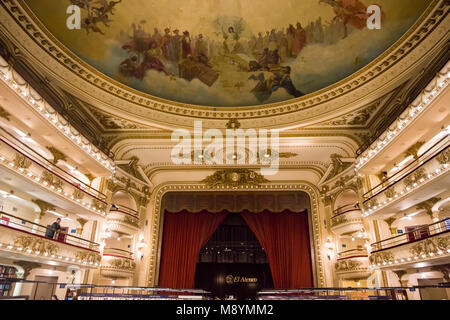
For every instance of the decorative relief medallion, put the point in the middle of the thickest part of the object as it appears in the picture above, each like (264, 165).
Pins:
(234, 178)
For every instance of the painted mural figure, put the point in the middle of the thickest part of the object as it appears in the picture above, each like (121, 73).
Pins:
(239, 56)
(186, 45)
(231, 41)
(299, 40)
(174, 47)
(352, 12)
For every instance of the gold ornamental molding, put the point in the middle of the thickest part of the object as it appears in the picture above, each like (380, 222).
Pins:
(234, 178)
(153, 263)
(22, 28)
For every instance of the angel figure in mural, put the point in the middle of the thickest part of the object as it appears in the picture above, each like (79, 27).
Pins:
(352, 12)
(97, 12)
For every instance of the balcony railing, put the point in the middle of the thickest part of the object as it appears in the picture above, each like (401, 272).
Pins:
(28, 227)
(38, 160)
(125, 210)
(439, 149)
(352, 253)
(345, 209)
(418, 234)
(118, 253)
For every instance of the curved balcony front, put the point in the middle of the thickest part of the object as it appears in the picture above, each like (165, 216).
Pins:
(346, 220)
(45, 180)
(425, 246)
(353, 265)
(422, 179)
(23, 239)
(117, 264)
(123, 221)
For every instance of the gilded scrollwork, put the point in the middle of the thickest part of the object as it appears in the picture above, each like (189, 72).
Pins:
(415, 177)
(36, 245)
(51, 179)
(234, 178)
(20, 161)
(90, 257)
(347, 265)
(78, 194)
(338, 220)
(123, 264)
(444, 157)
(4, 114)
(131, 221)
(381, 257)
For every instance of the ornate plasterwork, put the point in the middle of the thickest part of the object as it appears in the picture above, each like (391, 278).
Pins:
(118, 268)
(44, 206)
(357, 118)
(156, 234)
(234, 178)
(4, 114)
(414, 110)
(110, 122)
(48, 113)
(415, 44)
(37, 245)
(88, 257)
(57, 154)
(27, 266)
(348, 265)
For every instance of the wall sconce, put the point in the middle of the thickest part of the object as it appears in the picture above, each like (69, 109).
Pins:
(140, 246)
(330, 249)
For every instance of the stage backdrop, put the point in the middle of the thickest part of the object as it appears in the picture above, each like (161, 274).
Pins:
(284, 236)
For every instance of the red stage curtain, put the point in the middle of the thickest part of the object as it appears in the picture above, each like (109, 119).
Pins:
(184, 235)
(285, 239)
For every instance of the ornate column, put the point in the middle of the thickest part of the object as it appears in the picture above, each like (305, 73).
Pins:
(400, 274)
(43, 206)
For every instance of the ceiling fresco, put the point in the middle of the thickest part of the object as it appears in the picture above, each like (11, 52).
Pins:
(227, 53)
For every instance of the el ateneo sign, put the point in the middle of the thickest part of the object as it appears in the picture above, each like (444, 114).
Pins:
(230, 279)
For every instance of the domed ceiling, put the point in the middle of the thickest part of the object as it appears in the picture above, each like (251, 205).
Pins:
(228, 53)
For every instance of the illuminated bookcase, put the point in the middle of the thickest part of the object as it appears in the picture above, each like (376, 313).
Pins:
(6, 272)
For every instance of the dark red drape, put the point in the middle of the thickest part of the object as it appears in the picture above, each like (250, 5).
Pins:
(285, 238)
(184, 234)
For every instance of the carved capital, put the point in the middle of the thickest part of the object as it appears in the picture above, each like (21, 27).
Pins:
(44, 206)
(57, 154)
(4, 114)
(27, 267)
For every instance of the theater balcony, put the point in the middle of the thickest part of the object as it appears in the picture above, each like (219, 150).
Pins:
(352, 264)
(25, 240)
(27, 109)
(420, 121)
(422, 247)
(124, 220)
(346, 220)
(117, 264)
(25, 168)
(419, 177)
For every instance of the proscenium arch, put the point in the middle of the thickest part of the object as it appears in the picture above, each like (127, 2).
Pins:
(152, 269)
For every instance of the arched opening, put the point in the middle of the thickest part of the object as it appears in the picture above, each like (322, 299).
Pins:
(233, 262)
(279, 221)
(346, 198)
(124, 199)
